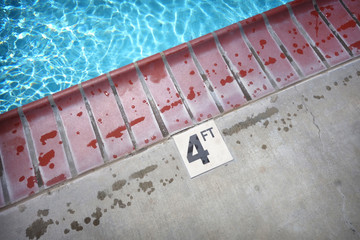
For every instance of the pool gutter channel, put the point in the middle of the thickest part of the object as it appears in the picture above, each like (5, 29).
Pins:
(164, 131)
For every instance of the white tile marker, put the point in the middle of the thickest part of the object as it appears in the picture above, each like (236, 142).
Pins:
(202, 148)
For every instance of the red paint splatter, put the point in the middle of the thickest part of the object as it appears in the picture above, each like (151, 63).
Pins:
(186, 55)
(153, 138)
(262, 43)
(185, 62)
(132, 106)
(46, 158)
(130, 82)
(136, 121)
(99, 90)
(278, 79)
(242, 73)
(192, 72)
(355, 45)
(250, 70)
(186, 122)
(299, 51)
(172, 105)
(78, 133)
(106, 93)
(236, 55)
(22, 178)
(55, 180)
(100, 120)
(327, 56)
(117, 133)
(215, 64)
(92, 143)
(51, 166)
(31, 181)
(295, 45)
(19, 149)
(228, 79)
(47, 136)
(60, 108)
(14, 131)
(271, 61)
(60, 142)
(249, 56)
(264, 87)
(79, 114)
(92, 93)
(349, 24)
(191, 95)
(114, 156)
(146, 141)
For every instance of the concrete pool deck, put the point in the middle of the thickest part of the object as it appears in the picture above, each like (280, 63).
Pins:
(287, 106)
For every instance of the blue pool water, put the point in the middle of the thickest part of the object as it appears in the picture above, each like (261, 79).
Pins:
(47, 46)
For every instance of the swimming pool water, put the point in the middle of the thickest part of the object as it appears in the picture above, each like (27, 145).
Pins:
(47, 46)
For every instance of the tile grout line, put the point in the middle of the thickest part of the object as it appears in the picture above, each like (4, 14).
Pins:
(205, 78)
(5, 190)
(282, 46)
(307, 37)
(350, 13)
(64, 138)
(181, 94)
(332, 28)
(94, 126)
(31, 148)
(231, 67)
(257, 57)
(152, 103)
(122, 111)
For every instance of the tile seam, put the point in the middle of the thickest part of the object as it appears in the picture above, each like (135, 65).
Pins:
(4, 186)
(205, 79)
(99, 140)
(349, 12)
(64, 137)
(332, 28)
(181, 94)
(282, 46)
(155, 110)
(231, 67)
(307, 37)
(122, 111)
(31, 148)
(257, 57)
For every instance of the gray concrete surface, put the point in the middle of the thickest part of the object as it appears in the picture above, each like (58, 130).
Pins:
(295, 175)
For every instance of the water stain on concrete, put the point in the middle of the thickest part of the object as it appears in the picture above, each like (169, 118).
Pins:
(44, 212)
(328, 88)
(147, 185)
(250, 121)
(22, 208)
(118, 185)
(66, 231)
(71, 211)
(142, 173)
(38, 228)
(76, 226)
(264, 147)
(101, 195)
(87, 220)
(119, 203)
(97, 215)
(318, 97)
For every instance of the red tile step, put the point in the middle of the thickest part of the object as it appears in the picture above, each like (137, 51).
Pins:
(48, 144)
(299, 49)
(269, 52)
(343, 22)
(190, 82)
(354, 7)
(18, 168)
(225, 86)
(108, 118)
(137, 109)
(251, 74)
(317, 30)
(162, 89)
(72, 110)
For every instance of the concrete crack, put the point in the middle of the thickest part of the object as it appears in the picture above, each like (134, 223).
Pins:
(343, 211)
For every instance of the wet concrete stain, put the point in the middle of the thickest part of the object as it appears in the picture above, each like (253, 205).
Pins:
(264, 147)
(318, 97)
(101, 195)
(250, 121)
(44, 212)
(87, 220)
(71, 211)
(97, 215)
(76, 226)
(142, 173)
(147, 185)
(22, 208)
(118, 185)
(119, 203)
(38, 228)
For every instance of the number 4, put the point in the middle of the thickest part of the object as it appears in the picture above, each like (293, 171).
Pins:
(201, 153)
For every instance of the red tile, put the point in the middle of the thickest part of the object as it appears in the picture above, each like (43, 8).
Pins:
(164, 93)
(299, 49)
(18, 168)
(137, 109)
(225, 86)
(78, 129)
(251, 74)
(108, 118)
(343, 22)
(317, 30)
(354, 7)
(190, 82)
(49, 149)
(269, 52)
(2, 200)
